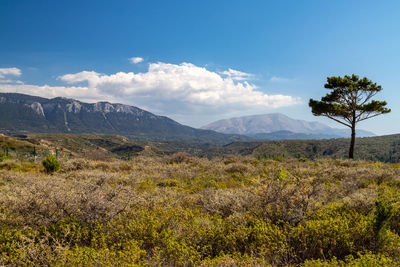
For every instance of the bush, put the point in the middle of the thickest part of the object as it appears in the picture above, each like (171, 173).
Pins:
(186, 211)
(333, 232)
(382, 215)
(51, 164)
(301, 159)
(179, 157)
(367, 259)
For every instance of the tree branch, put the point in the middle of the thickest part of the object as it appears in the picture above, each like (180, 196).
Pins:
(368, 117)
(370, 95)
(332, 118)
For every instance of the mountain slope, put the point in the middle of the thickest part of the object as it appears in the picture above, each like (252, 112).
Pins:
(288, 135)
(278, 124)
(26, 114)
(378, 148)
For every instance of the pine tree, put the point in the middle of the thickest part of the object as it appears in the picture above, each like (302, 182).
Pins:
(349, 102)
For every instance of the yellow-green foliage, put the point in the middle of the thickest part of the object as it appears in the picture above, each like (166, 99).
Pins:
(186, 211)
(362, 260)
(51, 164)
(13, 165)
(333, 232)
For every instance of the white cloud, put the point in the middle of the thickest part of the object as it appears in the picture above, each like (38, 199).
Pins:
(136, 60)
(80, 77)
(236, 75)
(81, 93)
(11, 81)
(9, 71)
(183, 91)
(184, 83)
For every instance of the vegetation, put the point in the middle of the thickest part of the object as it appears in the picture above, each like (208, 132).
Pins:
(348, 104)
(51, 164)
(188, 211)
(380, 148)
(106, 147)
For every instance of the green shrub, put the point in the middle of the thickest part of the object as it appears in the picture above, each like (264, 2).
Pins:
(367, 259)
(232, 211)
(283, 175)
(382, 214)
(301, 159)
(333, 232)
(395, 219)
(127, 255)
(51, 164)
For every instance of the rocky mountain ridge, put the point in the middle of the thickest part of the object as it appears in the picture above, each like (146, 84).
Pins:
(21, 113)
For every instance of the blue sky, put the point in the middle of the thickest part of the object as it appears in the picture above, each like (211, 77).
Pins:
(201, 60)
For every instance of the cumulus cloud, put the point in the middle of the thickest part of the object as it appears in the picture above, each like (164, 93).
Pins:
(136, 60)
(9, 71)
(183, 91)
(186, 83)
(236, 75)
(11, 81)
(81, 93)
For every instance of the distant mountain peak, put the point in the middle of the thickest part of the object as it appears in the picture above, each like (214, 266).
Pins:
(261, 124)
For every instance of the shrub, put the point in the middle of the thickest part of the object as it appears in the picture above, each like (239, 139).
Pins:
(179, 157)
(334, 232)
(283, 175)
(38, 202)
(395, 219)
(77, 165)
(301, 159)
(382, 215)
(51, 164)
(182, 210)
(367, 259)
(237, 168)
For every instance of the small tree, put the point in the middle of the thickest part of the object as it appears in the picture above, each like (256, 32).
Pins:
(34, 153)
(51, 164)
(349, 102)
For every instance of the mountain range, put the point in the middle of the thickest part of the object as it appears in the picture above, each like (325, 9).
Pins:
(21, 114)
(277, 126)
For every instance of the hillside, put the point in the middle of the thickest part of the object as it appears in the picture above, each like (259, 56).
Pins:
(288, 135)
(95, 147)
(380, 148)
(279, 126)
(21, 114)
(102, 147)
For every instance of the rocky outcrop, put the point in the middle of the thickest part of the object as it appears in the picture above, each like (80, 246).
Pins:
(21, 113)
(37, 108)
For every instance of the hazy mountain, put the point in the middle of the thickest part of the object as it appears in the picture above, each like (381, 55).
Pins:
(279, 126)
(288, 135)
(27, 114)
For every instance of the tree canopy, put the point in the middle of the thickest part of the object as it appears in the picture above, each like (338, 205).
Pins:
(349, 102)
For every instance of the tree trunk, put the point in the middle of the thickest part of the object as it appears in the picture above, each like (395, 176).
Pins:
(353, 141)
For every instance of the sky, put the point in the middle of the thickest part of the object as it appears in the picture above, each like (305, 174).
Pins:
(201, 61)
